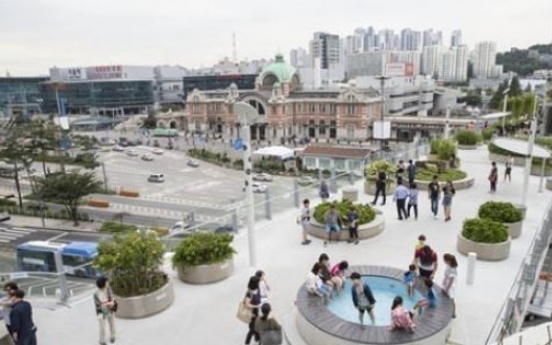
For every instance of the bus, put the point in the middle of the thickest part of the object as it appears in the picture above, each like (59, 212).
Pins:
(76, 257)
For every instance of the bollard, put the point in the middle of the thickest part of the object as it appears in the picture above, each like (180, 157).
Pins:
(470, 275)
(268, 210)
(296, 193)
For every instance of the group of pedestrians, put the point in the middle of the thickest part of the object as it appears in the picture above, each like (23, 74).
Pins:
(325, 279)
(263, 327)
(18, 315)
(493, 174)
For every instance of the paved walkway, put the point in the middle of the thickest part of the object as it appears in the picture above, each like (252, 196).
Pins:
(206, 314)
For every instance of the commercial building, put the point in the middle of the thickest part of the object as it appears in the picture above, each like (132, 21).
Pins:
(20, 95)
(378, 63)
(327, 48)
(168, 86)
(99, 89)
(484, 60)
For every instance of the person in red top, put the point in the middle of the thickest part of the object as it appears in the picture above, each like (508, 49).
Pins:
(425, 259)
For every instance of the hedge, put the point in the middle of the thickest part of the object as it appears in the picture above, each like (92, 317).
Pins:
(468, 137)
(366, 213)
(484, 231)
(504, 212)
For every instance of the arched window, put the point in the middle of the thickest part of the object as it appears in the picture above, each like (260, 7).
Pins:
(322, 127)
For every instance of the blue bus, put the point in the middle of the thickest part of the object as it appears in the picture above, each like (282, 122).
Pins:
(76, 257)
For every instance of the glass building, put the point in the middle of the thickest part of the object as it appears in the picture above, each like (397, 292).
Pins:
(20, 95)
(78, 97)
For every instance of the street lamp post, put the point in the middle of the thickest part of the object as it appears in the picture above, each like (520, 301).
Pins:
(382, 80)
(247, 116)
(529, 157)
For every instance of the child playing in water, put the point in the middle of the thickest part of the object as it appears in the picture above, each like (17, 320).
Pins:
(409, 277)
(431, 298)
(363, 299)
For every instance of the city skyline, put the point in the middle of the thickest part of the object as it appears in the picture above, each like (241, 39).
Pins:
(37, 35)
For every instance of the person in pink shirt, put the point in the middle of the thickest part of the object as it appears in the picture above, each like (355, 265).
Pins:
(338, 275)
(400, 317)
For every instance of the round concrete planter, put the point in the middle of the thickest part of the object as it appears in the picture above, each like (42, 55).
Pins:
(514, 229)
(484, 251)
(141, 306)
(206, 274)
(522, 209)
(365, 231)
(458, 185)
(350, 193)
(467, 147)
(370, 187)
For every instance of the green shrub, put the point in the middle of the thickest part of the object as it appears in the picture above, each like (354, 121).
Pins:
(116, 227)
(132, 262)
(365, 213)
(504, 212)
(468, 137)
(373, 168)
(484, 231)
(7, 202)
(203, 248)
(487, 133)
(427, 173)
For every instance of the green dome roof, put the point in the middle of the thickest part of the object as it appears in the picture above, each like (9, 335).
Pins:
(282, 70)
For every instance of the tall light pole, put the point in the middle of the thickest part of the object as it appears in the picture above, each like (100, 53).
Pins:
(505, 106)
(529, 157)
(382, 80)
(247, 116)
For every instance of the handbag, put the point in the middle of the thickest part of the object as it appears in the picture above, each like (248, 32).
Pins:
(110, 298)
(244, 314)
(272, 337)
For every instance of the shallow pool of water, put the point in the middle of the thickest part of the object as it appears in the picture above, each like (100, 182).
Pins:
(384, 290)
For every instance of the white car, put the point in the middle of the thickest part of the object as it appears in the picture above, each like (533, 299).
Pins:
(156, 178)
(262, 177)
(258, 188)
(131, 153)
(118, 148)
(307, 181)
(146, 157)
(157, 151)
(192, 163)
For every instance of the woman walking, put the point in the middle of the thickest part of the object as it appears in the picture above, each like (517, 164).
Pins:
(448, 193)
(105, 307)
(412, 201)
(493, 177)
(449, 282)
(508, 169)
(253, 301)
(268, 328)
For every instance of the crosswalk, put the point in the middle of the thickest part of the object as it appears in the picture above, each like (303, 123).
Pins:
(11, 233)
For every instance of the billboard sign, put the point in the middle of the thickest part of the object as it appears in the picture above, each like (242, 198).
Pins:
(395, 69)
(409, 69)
(106, 72)
(381, 130)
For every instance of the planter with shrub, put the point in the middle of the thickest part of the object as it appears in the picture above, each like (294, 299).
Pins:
(487, 238)
(204, 258)
(426, 170)
(371, 172)
(116, 227)
(132, 262)
(503, 212)
(371, 223)
(468, 139)
(501, 156)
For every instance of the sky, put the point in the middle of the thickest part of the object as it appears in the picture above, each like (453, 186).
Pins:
(38, 34)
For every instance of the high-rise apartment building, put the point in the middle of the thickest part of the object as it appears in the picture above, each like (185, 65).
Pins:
(412, 57)
(484, 60)
(327, 48)
(462, 57)
(410, 39)
(386, 39)
(358, 40)
(456, 38)
(370, 40)
(298, 58)
(432, 38)
(432, 60)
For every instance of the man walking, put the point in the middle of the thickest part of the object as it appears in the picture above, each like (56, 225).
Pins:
(304, 220)
(434, 190)
(21, 318)
(381, 185)
(493, 177)
(400, 196)
(411, 172)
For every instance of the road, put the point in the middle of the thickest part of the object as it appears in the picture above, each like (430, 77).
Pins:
(12, 235)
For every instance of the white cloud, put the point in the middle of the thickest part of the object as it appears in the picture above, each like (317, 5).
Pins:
(38, 34)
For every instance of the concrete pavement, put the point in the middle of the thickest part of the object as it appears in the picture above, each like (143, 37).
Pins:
(206, 314)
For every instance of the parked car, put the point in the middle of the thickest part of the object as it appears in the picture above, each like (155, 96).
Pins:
(258, 188)
(156, 178)
(118, 148)
(193, 163)
(307, 181)
(157, 151)
(262, 177)
(146, 157)
(131, 153)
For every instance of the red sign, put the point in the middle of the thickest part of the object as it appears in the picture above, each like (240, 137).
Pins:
(409, 69)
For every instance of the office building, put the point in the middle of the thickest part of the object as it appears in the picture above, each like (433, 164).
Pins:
(327, 48)
(113, 89)
(456, 38)
(366, 64)
(432, 61)
(20, 95)
(484, 60)
(299, 58)
(168, 86)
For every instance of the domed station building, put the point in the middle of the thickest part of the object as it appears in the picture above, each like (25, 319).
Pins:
(286, 109)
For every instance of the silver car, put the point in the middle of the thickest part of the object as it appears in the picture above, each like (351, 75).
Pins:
(264, 177)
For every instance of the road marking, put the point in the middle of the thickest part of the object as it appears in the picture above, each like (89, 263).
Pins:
(23, 233)
(23, 229)
(4, 241)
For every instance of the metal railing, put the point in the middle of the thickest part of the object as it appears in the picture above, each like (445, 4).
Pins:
(512, 313)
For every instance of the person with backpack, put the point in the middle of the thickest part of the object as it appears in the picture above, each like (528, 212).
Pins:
(105, 309)
(269, 330)
(425, 260)
(434, 191)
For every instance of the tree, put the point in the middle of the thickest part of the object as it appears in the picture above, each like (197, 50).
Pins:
(151, 120)
(515, 88)
(498, 95)
(68, 189)
(44, 138)
(528, 89)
